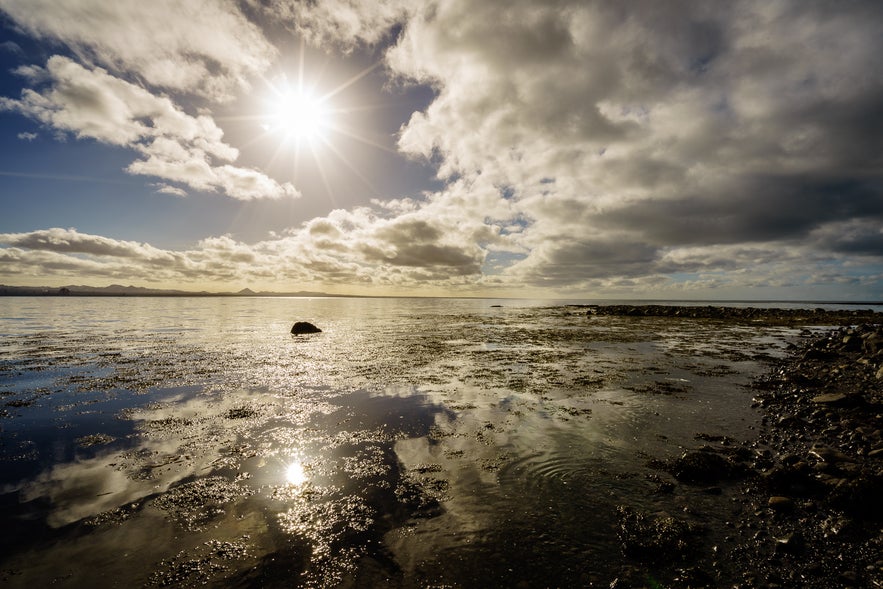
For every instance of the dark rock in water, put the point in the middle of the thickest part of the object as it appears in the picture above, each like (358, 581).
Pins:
(655, 537)
(303, 327)
(703, 468)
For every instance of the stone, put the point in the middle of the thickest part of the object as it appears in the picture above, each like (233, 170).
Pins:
(832, 399)
(798, 478)
(872, 344)
(304, 327)
(829, 454)
(655, 537)
(703, 468)
(780, 503)
(790, 544)
(852, 343)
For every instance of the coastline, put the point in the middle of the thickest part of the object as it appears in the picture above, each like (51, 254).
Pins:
(752, 315)
(636, 450)
(814, 506)
(807, 493)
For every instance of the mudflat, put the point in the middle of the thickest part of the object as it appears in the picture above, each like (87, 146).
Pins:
(412, 443)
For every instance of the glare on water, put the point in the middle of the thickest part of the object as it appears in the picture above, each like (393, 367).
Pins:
(295, 474)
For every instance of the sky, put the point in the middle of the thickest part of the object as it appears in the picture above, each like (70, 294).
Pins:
(565, 148)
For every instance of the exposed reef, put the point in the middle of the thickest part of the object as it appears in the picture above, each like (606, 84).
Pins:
(767, 316)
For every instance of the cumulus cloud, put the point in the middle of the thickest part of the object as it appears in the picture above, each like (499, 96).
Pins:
(204, 47)
(626, 131)
(344, 23)
(174, 146)
(362, 246)
(70, 241)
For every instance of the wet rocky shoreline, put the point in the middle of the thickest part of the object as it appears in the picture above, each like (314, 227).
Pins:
(755, 315)
(807, 495)
(817, 498)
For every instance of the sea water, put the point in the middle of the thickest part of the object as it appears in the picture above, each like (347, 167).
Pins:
(413, 442)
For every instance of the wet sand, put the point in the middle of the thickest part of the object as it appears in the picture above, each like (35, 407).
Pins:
(512, 447)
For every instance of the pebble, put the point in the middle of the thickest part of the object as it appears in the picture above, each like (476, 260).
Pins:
(823, 476)
(779, 503)
(830, 399)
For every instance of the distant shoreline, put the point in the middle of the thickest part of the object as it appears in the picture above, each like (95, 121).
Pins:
(137, 291)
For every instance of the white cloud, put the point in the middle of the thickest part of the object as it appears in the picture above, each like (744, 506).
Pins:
(204, 47)
(27, 136)
(168, 189)
(345, 23)
(363, 252)
(70, 241)
(342, 249)
(441, 243)
(175, 146)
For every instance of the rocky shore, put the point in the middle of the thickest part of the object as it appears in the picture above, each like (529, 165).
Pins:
(765, 316)
(807, 495)
(815, 500)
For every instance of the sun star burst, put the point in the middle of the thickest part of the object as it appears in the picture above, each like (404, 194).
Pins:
(300, 115)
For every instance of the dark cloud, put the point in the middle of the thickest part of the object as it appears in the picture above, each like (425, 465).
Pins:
(565, 261)
(429, 255)
(410, 231)
(853, 237)
(759, 209)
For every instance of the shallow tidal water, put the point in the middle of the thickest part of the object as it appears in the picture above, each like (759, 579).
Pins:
(414, 442)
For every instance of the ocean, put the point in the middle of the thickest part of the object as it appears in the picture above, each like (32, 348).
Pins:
(414, 442)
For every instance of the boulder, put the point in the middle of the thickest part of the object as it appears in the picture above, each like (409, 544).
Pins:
(303, 327)
(703, 468)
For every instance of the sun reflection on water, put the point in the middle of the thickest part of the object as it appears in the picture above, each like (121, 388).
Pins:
(295, 474)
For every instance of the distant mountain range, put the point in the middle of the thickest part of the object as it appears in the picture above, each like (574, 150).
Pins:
(118, 290)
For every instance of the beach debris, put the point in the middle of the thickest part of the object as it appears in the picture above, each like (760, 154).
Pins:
(304, 327)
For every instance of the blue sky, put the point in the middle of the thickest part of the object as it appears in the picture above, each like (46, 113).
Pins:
(569, 148)
(51, 181)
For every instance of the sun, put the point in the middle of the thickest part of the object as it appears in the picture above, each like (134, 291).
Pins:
(300, 115)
